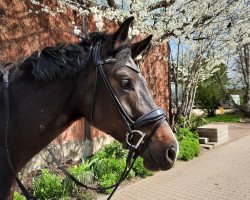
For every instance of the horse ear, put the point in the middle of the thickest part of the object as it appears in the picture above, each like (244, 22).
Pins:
(138, 47)
(122, 33)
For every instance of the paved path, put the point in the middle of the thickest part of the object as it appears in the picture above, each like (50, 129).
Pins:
(219, 174)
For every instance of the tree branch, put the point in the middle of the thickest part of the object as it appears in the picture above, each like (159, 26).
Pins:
(161, 4)
(112, 4)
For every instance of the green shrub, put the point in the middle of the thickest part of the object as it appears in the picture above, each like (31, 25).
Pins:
(208, 97)
(195, 121)
(140, 170)
(110, 163)
(188, 144)
(18, 196)
(85, 195)
(192, 123)
(86, 177)
(49, 186)
(112, 150)
(109, 170)
(84, 174)
(106, 167)
(210, 91)
(107, 180)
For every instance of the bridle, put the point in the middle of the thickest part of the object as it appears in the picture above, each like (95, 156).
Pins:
(156, 116)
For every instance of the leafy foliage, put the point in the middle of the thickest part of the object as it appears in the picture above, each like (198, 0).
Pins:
(210, 92)
(192, 123)
(111, 162)
(208, 97)
(18, 196)
(49, 186)
(112, 150)
(83, 173)
(140, 170)
(110, 170)
(188, 144)
(105, 167)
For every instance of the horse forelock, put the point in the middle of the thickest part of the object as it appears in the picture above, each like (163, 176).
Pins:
(122, 56)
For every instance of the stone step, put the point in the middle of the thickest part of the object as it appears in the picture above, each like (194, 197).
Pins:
(220, 139)
(203, 140)
(212, 135)
(207, 146)
(213, 128)
(214, 132)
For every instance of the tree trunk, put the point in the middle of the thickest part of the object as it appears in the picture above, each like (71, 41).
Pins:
(246, 53)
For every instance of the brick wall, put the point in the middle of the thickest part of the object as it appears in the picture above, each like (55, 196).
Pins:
(26, 27)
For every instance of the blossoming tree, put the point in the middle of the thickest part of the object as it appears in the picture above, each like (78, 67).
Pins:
(205, 34)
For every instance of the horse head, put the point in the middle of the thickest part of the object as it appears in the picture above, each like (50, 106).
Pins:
(120, 103)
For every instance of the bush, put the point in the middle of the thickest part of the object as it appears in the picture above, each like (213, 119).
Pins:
(188, 144)
(83, 172)
(140, 170)
(195, 121)
(210, 91)
(106, 167)
(112, 150)
(86, 177)
(85, 195)
(192, 123)
(110, 164)
(49, 186)
(109, 171)
(18, 196)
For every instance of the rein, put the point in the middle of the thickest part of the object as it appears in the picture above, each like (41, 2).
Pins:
(5, 72)
(156, 116)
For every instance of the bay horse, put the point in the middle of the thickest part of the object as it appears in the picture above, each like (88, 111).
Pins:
(96, 78)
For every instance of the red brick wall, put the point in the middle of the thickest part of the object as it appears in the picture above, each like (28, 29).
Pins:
(25, 28)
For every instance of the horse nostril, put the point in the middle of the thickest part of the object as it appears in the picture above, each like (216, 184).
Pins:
(171, 154)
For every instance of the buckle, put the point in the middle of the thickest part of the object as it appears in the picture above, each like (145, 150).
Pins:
(129, 137)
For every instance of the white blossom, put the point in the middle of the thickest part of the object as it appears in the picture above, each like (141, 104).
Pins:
(77, 31)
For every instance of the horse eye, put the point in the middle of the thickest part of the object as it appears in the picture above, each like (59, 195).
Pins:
(126, 84)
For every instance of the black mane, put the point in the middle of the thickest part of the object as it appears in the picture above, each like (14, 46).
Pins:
(66, 60)
(63, 60)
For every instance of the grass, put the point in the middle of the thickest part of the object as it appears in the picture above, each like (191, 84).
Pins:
(228, 117)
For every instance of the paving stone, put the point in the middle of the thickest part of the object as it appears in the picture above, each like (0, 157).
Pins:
(219, 174)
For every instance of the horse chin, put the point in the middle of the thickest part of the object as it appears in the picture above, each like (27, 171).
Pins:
(153, 166)
(153, 162)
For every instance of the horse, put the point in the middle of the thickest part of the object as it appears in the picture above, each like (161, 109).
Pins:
(97, 79)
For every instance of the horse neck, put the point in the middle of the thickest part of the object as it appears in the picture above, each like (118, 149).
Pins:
(39, 112)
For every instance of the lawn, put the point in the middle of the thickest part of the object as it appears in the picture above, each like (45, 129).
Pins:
(228, 117)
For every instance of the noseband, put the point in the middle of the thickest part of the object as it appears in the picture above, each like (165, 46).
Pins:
(154, 116)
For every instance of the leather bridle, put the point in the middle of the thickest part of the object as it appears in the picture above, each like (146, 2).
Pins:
(156, 116)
